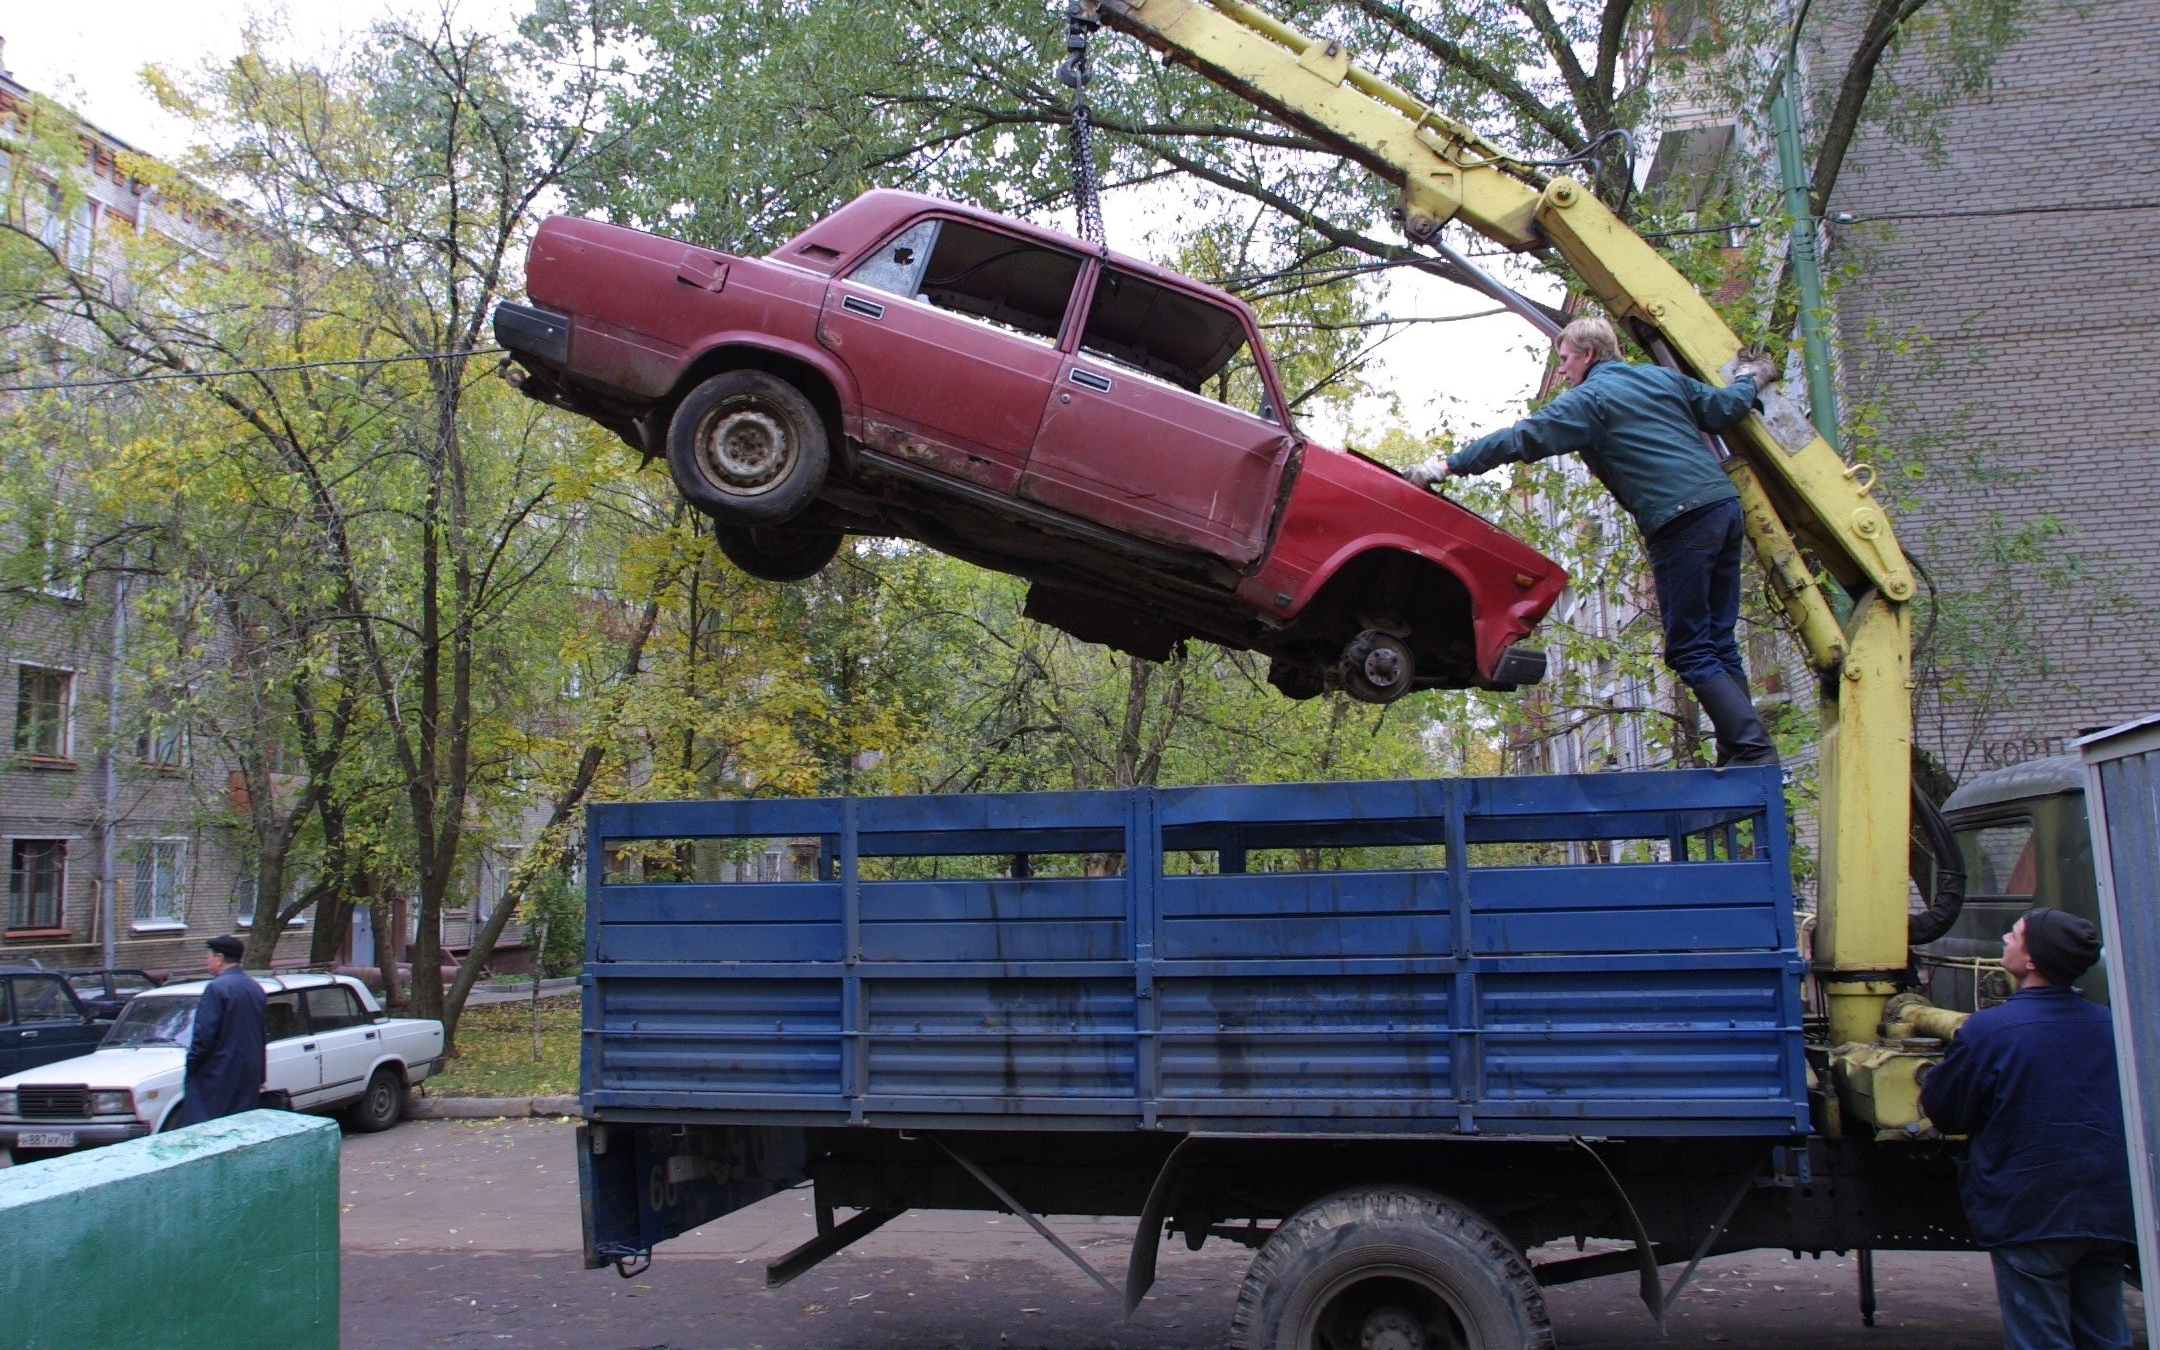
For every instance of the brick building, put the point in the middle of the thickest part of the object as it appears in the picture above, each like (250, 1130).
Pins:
(2001, 327)
(101, 793)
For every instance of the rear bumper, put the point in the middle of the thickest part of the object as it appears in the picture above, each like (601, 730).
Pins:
(538, 333)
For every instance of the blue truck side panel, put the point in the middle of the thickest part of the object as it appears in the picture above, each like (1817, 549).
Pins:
(1431, 957)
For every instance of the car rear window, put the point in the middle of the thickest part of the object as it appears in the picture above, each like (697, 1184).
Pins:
(1198, 346)
(998, 278)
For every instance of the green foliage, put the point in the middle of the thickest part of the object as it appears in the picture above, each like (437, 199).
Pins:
(555, 909)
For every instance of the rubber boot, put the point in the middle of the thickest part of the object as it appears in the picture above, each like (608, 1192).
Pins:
(1741, 737)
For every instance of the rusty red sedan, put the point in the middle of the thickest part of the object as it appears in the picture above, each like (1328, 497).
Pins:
(1110, 431)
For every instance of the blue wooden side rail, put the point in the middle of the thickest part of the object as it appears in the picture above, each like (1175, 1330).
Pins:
(1598, 954)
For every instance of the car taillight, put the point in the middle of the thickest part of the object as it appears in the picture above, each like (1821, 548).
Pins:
(112, 1102)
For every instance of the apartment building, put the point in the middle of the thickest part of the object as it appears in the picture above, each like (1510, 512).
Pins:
(103, 793)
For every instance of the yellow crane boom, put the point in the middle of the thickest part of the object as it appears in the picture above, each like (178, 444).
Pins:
(1807, 509)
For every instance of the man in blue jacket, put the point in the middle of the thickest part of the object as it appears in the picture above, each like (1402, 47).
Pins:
(225, 1056)
(2046, 1181)
(1640, 430)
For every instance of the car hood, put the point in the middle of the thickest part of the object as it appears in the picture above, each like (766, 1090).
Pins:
(107, 1069)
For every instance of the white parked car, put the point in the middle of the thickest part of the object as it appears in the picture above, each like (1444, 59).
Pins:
(331, 1049)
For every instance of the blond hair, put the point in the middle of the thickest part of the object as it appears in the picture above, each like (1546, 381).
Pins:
(1594, 336)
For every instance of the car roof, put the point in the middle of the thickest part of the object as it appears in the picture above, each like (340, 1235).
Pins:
(193, 984)
(28, 970)
(870, 216)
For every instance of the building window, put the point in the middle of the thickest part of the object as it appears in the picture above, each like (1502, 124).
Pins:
(42, 699)
(161, 747)
(54, 537)
(244, 886)
(37, 881)
(160, 888)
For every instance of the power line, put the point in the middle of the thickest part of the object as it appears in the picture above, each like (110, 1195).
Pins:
(242, 370)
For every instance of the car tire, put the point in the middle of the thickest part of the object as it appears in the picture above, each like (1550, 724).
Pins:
(778, 553)
(381, 1106)
(1389, 1265)
(748, 448)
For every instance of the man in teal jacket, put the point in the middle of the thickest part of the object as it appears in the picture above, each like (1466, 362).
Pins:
(1640, 430)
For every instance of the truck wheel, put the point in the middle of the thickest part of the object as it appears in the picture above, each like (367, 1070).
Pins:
(747, 448)
(380, 1106)
(1391, 1268)
(778, 553)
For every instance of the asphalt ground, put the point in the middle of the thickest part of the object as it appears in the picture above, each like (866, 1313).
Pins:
(461, 1233)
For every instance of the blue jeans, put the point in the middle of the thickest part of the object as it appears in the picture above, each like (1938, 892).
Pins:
(1695, 561)
(2062, 1294)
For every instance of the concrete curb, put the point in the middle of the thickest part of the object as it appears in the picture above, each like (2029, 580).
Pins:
(488, 1108)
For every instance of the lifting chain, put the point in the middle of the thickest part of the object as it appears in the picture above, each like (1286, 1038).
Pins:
(1081, 24)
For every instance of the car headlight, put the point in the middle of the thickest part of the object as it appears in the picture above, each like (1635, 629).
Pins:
(7, 1101)
(112, 1102)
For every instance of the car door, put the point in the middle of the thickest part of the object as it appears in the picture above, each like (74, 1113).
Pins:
(347, 1042)
(1165, 423)
(49, 1023)
(292, 1062)
(950, 330)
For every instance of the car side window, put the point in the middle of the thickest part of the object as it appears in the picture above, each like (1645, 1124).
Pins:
(7, 1002)
(332, 1008)
(43, 999)
(1199, 346)
(282, 1018)
(1011, 283)
(897, 265)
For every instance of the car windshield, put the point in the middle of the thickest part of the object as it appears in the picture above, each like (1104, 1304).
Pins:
(153, 1021)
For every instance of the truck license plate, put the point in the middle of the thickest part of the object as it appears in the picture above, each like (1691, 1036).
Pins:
(45, 1139)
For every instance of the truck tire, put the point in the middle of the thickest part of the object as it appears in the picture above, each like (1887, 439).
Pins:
(780, 552)
(747, 448)
(381, 1106)
(1389, 1268)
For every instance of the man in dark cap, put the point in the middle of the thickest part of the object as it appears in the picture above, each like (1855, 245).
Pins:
(2046, 1181)
(225, 1055)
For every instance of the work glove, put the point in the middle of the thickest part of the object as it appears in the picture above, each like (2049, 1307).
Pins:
(1430, 472)
(1761, 367)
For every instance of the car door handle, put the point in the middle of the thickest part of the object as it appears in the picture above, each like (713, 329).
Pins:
(310, 1045)
(857, 305)
(1088, 379)
(369, 1037)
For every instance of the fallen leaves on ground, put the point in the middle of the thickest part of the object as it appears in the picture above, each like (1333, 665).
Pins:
(495, 1052)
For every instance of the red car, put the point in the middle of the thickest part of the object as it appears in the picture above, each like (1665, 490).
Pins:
(1111, 431)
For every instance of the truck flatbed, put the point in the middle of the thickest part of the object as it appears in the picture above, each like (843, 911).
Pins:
(1597, 954)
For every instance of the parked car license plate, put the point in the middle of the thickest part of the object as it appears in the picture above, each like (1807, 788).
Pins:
(45, 1139)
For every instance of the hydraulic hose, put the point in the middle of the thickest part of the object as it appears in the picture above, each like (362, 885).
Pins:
(1942, 911)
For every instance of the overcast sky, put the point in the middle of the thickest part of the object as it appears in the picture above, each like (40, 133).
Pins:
(1475, 374)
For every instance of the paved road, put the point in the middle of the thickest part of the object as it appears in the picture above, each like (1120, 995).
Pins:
(465, 1234)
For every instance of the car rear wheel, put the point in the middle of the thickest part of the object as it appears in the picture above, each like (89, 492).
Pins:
(778, 553)
(747, 448)
(381, 1106)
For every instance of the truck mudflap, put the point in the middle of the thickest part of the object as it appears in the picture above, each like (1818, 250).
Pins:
(639, 1185)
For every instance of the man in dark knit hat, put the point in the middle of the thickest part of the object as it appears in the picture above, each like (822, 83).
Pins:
(225, 1056)
(2046, 1181)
